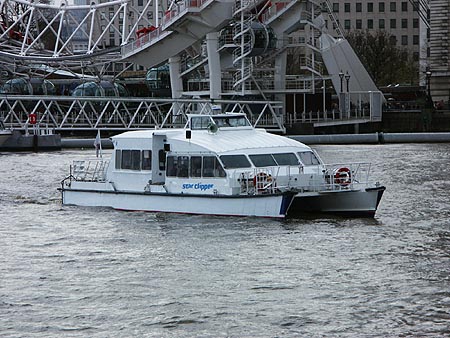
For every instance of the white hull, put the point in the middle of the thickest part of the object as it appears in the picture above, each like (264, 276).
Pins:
(354, 203)
(273, 206)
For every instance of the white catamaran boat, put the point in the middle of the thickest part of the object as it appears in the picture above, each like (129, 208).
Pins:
(219, 165)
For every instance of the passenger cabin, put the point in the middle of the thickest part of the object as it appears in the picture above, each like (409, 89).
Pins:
(214, 154)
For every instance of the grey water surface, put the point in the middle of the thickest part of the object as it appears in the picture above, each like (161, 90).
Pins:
(68, 271)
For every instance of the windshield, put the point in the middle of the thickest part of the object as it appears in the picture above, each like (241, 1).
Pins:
(231, 121)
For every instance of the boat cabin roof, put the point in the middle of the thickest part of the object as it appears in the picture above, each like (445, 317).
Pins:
(218, 139)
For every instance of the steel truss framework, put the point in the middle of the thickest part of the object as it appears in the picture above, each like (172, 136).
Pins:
(71, 113)
(41, 33)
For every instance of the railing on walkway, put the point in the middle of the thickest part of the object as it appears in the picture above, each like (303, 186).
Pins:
(171, 15)
(353, 106)
(114, 113)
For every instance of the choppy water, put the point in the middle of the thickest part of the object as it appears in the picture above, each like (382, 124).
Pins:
(96, 272)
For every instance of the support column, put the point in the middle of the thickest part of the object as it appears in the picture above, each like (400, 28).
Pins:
(215, 74)
(280, 74)
(176, 82)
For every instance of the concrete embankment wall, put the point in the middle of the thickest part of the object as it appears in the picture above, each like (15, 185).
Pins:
(373, 138)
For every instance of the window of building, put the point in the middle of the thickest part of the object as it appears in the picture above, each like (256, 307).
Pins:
(404, 55)
(359, 7)
(393, 40)
(416, 56)
(404, 40)
(381, 23)
(347, 7)
(381, 7)
(140, 2)
(415, 23)
(347, 24)
(393, 23)
(358, 24)
(369, 23)
(393, 6)
(370, 7)
(404, 23)
(415, 39)
(336, 7)
(404, 6)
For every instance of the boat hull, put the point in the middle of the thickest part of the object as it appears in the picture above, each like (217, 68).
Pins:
(353, 203)
(272, 206)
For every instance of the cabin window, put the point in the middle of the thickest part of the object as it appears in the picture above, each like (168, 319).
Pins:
(135, 160)
(126, 159)
(183, 166)
(235, 161)
(230, 121)
(146, 160)
(308, 158)
(118, 158)
(286, 159)
(172, 164)
(263, 160)
(212, 167)
(162, 160)
(196, 166)
(200, 122)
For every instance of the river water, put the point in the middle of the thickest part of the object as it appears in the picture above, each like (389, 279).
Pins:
(95, 272)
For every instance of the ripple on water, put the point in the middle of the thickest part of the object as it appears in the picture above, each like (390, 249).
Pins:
(96, 272)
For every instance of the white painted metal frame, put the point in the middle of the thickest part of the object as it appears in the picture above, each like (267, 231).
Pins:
(87, 113)
(34, 16)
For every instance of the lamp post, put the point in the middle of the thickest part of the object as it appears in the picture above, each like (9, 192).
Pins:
(428, 76)
(347, 79)
(341, 76)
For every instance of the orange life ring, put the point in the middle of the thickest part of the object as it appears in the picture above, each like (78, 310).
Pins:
(32, 118)
(261, 181)
(343, 176)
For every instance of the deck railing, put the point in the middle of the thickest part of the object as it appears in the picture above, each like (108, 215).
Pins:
(330, 177)
(93, 170)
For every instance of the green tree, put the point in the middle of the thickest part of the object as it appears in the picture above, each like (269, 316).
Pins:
(385, 62)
